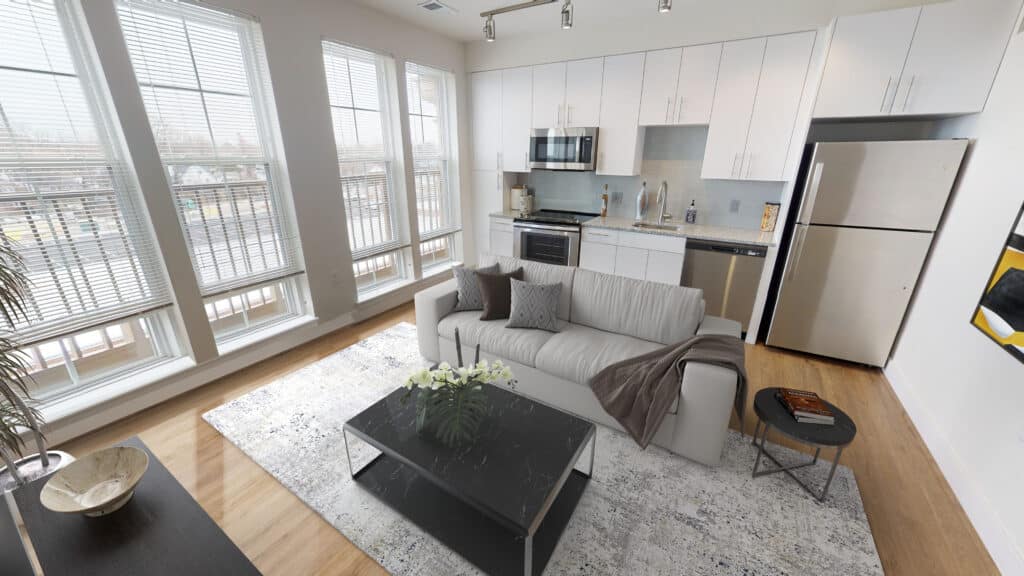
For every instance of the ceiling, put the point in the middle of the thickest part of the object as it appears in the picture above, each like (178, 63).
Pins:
(466, 25)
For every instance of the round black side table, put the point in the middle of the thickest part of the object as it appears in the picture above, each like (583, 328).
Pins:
(771, 414)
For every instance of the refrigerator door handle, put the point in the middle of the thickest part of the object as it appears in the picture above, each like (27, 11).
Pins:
(798, 251)
(810, 194)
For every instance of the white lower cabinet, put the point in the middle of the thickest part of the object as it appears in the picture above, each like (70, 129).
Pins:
(650, 257)
(501, 237)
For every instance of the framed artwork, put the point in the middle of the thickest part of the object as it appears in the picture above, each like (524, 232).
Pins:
(1000, 313)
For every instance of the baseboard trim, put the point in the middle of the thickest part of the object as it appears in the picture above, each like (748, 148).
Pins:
(980, 511)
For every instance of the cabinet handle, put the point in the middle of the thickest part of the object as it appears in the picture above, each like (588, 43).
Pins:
(526, 159)
(750, 162)
(668, 104)
(679, 110)
(909, 88)
(735, 159)
(885, 94)
(568, 115)
(558, 116)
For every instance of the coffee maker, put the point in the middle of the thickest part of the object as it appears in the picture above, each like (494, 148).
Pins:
(522, 200)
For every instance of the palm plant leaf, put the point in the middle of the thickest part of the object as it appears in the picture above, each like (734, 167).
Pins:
(15, 413)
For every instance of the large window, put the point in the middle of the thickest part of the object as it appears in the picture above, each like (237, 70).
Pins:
(205, 84)
(430, 128)
(361, 109)
(69, 205)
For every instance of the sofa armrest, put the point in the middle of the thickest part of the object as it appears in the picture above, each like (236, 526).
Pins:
(716, 325)
(432, 305)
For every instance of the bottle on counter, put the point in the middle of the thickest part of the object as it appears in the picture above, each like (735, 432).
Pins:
(604, 202)
(641, 202)
(691, 213)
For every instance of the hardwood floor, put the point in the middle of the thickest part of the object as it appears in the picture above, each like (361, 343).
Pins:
(919, 526)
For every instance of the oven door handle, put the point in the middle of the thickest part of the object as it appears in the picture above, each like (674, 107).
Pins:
(546, 227)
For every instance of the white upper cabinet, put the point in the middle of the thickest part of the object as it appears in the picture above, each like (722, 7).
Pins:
(954, 57)
(516, 108)
(549, 95)
(661, 79)
(486, 95)
(620, 138)
(698, 74)
(864, 63)
(733, 108)
(786, 60)
(583, 80)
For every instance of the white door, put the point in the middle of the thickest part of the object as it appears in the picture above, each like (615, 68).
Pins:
(487, 198)
(956, 53)
(864, 63)
(486, 88)
(583, 79)
(597, 257)
(516, 106)
(786, 60)
(630, 262)
(733, 108)
(661, 78)
(549, 95)
(698, 74)
(620, 138)
(664, 267)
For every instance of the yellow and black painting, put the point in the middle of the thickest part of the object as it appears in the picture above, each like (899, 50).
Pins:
(1000, 313)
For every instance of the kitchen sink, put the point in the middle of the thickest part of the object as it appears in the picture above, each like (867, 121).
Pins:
(653, 226)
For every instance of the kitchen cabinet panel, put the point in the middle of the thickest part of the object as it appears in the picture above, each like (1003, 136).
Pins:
(598, 257)
(488, 197)
(698, 74)
(549, 95)
(786, 60)
(600, 235)
(516, 108)
(661, 78)
(631, 262)
(583, 80)
(620, 138)
(733, 107)
(486, 95)
(954, 57)
(864, 64)
(664, 267)
(501, 243)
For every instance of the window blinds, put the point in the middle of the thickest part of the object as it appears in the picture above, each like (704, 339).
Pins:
(357, 87)
(428, 126)
(207, 93)
(68, 200)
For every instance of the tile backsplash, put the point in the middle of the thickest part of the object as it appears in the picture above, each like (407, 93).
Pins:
(671, 154)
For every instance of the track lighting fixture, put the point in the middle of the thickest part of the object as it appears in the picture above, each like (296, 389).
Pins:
(567, 15)
(489, 29)
(664, 6)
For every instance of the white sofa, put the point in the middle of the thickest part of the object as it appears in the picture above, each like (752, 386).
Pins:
(602, 319)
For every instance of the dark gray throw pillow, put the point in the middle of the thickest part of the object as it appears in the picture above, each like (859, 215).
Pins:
(497, 293)
(534, 306)
(468, 286)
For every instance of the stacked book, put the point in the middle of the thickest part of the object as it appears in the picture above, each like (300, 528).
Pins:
(805, 407)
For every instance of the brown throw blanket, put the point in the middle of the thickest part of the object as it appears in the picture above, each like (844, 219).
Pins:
(638, 392)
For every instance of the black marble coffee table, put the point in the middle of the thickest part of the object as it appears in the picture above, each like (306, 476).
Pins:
(502, 501)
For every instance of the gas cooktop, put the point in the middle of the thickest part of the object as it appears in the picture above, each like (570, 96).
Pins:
(557, 217)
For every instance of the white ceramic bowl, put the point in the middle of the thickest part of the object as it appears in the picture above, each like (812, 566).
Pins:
(97, 484)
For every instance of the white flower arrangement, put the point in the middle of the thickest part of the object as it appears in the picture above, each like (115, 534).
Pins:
(444, 376)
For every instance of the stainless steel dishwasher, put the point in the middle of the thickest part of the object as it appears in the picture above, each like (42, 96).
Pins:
(728, 273)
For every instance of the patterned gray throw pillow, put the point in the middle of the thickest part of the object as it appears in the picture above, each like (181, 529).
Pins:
(534, 306)
(468, 287)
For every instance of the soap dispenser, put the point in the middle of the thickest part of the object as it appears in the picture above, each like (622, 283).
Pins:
(691, 213)
(641, 202)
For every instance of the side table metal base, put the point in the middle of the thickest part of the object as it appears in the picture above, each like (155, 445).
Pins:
(763, 427)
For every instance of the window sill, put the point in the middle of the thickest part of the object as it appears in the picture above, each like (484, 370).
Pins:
(77, 403)
(440, 268)
(370, 295)
(276, 329)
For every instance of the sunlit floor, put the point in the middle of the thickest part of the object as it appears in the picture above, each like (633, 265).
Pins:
(918, 524)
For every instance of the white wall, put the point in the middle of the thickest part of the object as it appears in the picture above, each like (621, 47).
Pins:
(963, 392)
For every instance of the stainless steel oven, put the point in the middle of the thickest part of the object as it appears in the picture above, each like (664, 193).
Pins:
(563, 149)
(547, 243)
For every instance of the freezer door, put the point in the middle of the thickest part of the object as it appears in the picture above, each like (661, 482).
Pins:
(845, 291)
(901, 185)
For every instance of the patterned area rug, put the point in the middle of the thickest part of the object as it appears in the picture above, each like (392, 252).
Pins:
(644, 512)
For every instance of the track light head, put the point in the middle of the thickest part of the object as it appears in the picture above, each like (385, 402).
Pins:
(567, 15)
(489, 29)
(664, 6)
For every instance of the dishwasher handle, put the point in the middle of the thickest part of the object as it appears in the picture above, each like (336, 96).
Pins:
(727, 248)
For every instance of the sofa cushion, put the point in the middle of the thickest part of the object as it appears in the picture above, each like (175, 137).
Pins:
(534, 306)
(646, 310)
(578, 353)
(516, 344)
(470, 297)
(497, 293)
(539, 273)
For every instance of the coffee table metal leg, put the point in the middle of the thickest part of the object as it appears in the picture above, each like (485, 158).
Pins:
(347, 456)
(593, 449)
(528, 556)
(831, 474)
(757, 428)
(760, 449)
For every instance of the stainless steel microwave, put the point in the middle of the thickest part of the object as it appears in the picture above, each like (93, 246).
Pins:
(563, 149)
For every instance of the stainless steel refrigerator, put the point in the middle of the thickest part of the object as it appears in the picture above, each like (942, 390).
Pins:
(865, 224)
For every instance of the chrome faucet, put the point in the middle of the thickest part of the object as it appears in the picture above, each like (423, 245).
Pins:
(662, 201)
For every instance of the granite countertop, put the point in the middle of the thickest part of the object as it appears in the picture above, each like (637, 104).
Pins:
(506, 214)
(695, 231)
